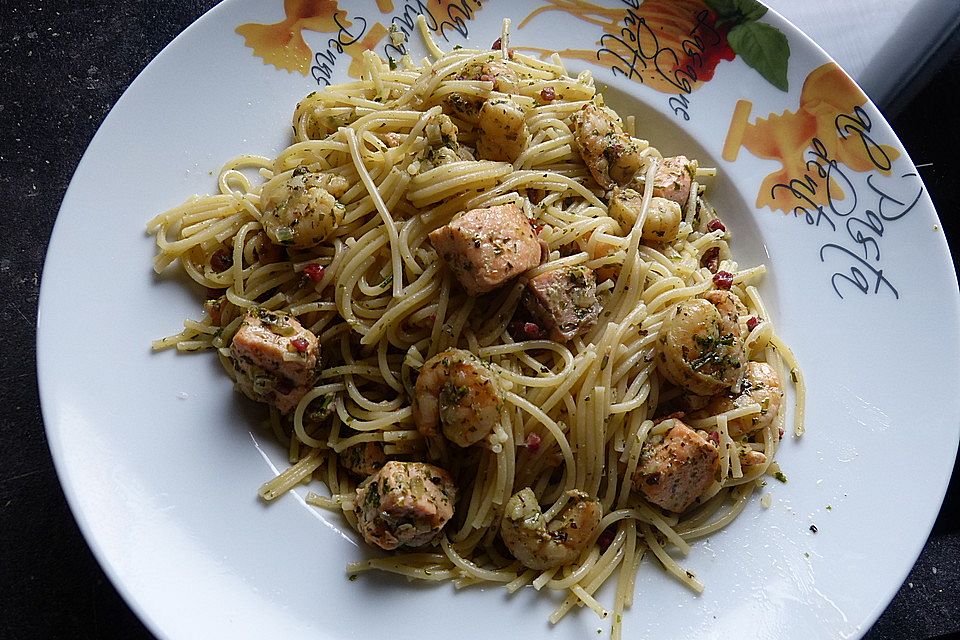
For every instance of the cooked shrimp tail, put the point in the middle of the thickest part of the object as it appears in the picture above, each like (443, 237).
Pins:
(539, 544)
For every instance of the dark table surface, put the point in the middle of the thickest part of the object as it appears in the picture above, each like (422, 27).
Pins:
(64, 65)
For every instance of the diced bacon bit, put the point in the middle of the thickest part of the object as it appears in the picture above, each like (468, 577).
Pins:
(532, 442)
(715, 224)
(521, 330)
(714, 437)
(300, 344)
(496, 44)
(780, 431)
(548, 94)
(221, 260)
(723, 279)
(711, 259)
(606, 537)
(314, 271)
(752, 323)
(537, 226)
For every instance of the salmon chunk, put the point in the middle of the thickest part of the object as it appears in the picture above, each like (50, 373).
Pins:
(564, 301)
(404, 504)
(274, 358)
(485, 248)
(673, 179)
(674, 473)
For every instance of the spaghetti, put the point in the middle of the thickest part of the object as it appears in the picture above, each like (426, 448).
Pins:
(342, 253)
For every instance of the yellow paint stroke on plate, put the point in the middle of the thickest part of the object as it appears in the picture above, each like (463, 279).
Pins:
(827, 93)
(368, 43)
(685, 33)
(282, 44)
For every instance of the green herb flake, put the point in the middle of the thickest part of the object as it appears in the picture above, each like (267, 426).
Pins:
(779, 476)
(285, 235)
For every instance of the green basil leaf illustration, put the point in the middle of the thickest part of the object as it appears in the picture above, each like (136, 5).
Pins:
(725, 9)
(764, 48)
(737, 11)
(751, 10)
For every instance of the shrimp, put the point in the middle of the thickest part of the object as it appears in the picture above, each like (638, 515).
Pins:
(440, 131)
(503, 132)
(541, 545)
(467, 107)
(663, 216)
(663, 221)
(456, 391)
(612, 156)
(760, 385)
(751, 458)
(504, 79)
(442, 145)
(729, 306)
(303, 211)
(701, 348)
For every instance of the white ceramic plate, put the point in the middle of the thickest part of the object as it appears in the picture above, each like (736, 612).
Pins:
(157, 456)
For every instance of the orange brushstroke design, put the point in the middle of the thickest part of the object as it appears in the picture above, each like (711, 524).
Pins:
(786, 137)
(282, 44)
(368, 43)
(673, 22)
